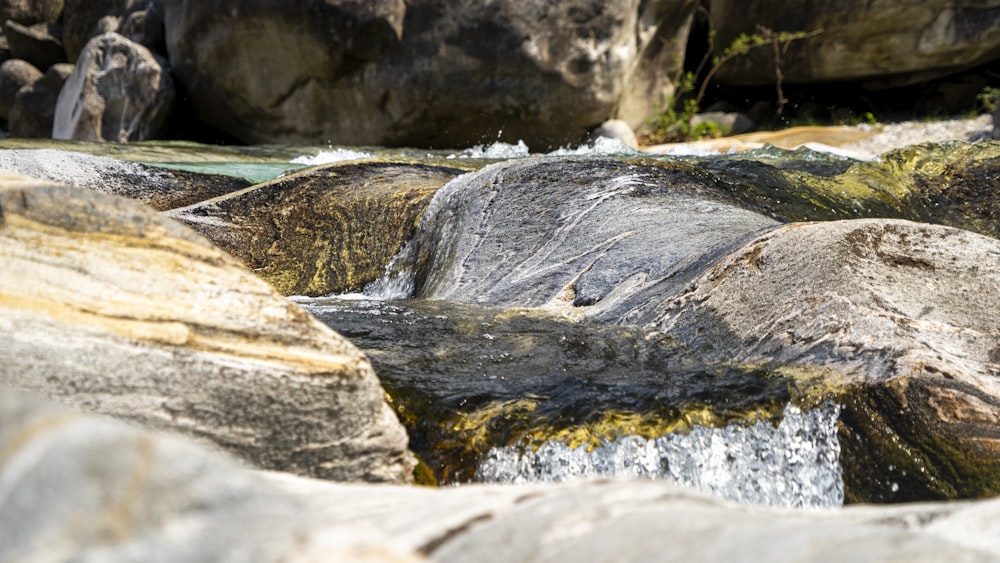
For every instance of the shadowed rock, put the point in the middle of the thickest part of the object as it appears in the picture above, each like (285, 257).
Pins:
(111, 307)
(324, 230)
(424, 72)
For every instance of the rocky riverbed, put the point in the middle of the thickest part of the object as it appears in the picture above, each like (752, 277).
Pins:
(794, 328)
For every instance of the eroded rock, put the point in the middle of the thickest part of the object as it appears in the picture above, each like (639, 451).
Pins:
(35, 104)
(324, 230)
(72, 481)
(108, 306)
(118, 91)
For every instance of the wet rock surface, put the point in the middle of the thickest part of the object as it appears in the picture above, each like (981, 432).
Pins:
(110, 307)
(156, 187)
(326, 230)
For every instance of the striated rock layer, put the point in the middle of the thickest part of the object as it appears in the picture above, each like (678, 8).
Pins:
(106, 305)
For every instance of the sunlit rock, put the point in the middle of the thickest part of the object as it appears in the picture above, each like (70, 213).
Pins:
(324, 230)
(76, 486)
(895, 310)
(88, 488)
(119, 91)
(106, 305)
(571, 232)
(156, 187)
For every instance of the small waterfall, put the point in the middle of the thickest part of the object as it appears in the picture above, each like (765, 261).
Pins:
(795, 464)
(394, 284)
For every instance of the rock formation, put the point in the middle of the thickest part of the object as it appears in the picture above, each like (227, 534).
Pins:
(325, 230)
(426, 73)
(118, 91)
(78, 486)
(884, 44)
(108, 306)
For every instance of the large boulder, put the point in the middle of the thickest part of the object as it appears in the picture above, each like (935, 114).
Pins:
(92, 489)
(111, 307)
(883, 43)
(582, 232)
(325, 230)
(14, 75)
(892, 307)
(425, 73)
(28, 12)
(119, 91)
(35, 104)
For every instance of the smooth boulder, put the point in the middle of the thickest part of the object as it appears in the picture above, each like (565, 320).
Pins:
(109, 306)
(571, 232)
(424, 73)
(119, 91)
(893, 308)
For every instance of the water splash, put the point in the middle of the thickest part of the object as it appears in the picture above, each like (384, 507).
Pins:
(399, 284)
(326, 157)
(795, 464)
(602, 146)
(498, 149)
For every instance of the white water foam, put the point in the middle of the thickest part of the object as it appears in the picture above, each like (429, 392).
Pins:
(603, 146)
(497, 150)
(326, 157)
(795, 464)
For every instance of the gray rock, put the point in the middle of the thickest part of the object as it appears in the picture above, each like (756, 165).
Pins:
(113, 308)
(39, 44)
(14, 75)
(546, 73)
(892, 307)
(885, 44)
(119, 91)
(566, 232)
(28, 12)
(35, 104)
(81, 20)
(91, 489)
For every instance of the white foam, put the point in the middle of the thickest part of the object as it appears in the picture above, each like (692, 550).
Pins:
(326, 157)
(795, 464)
